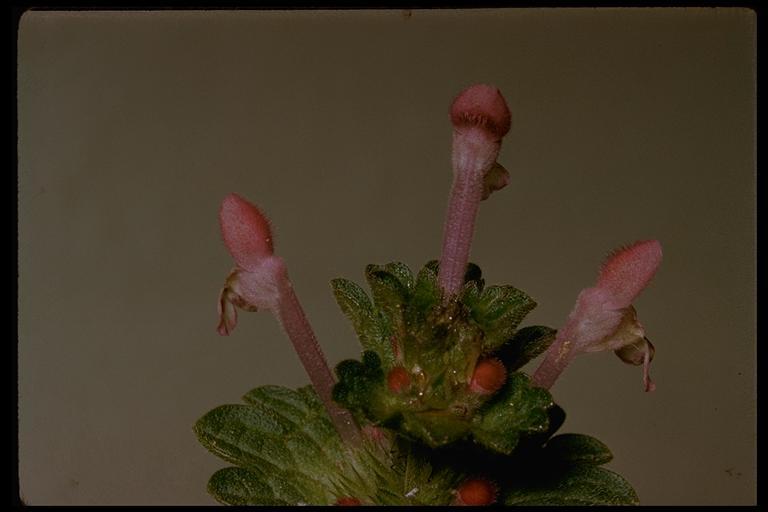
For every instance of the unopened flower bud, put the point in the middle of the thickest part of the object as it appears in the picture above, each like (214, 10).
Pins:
(476, 492)
(489, 376)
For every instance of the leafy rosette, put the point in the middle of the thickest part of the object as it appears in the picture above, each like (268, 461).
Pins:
(427, 359)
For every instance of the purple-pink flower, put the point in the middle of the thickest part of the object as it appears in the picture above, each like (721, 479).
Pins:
(604, 318)
(480, 118)
(254, 283)
(260, 281)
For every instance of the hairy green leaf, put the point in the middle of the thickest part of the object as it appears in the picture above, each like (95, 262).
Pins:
(390, 296)
(577, 448)
(525, 345)
(518, 409)
(402, 273)
(389, 292)
(499, 310)
(435, 428)
(426, 293)
(577, 485)
(240, 486)
(283, 436)
(360, 384)
(287, 453)
(368, 325)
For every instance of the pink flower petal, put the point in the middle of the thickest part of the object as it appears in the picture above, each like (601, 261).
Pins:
(592, 320)
(249, 291)
(482, 106)
(261, 288)
(246, 232)
(639, 352)
(628, 270)
(648, 384)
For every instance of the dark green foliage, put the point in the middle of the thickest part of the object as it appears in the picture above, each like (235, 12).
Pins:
(518, 409)
(577, 485)
(498, 310)
(525, 345)
(577, 448)
(366, 321)
(438, 342)
(286, 452)
(436, 429)
(360, 384)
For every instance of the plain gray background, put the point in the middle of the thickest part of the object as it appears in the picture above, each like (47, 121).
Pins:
(627, 124)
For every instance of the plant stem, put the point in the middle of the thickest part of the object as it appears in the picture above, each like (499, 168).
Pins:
(297, 327)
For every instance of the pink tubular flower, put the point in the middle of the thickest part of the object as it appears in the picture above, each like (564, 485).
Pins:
(604, 318)
(253, 283)
(260, 281)
(480, 118)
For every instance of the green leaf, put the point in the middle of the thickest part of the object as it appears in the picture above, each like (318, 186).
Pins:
(239, 486)
(525, 345)
(556, 418)
(283, 436)
(360, 384)
(426, 293)
(416, 480)
(389, 292)
(290, 404)
(498, 311)
(390, 296)
(287, 453)
(578, 485)
(402, 273)
(356, 305)
(435, 428)
(517, 410)
(577, 448)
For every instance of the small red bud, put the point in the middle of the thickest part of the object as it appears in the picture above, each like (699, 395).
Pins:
(490, 374)
(398, 379)
(347, 501)
(476, 491)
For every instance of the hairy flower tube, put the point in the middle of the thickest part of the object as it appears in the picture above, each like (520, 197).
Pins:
(260, 281)
(480, 118)
(604, 318)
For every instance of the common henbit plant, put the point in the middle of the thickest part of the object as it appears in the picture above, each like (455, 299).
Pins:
(437, 411)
